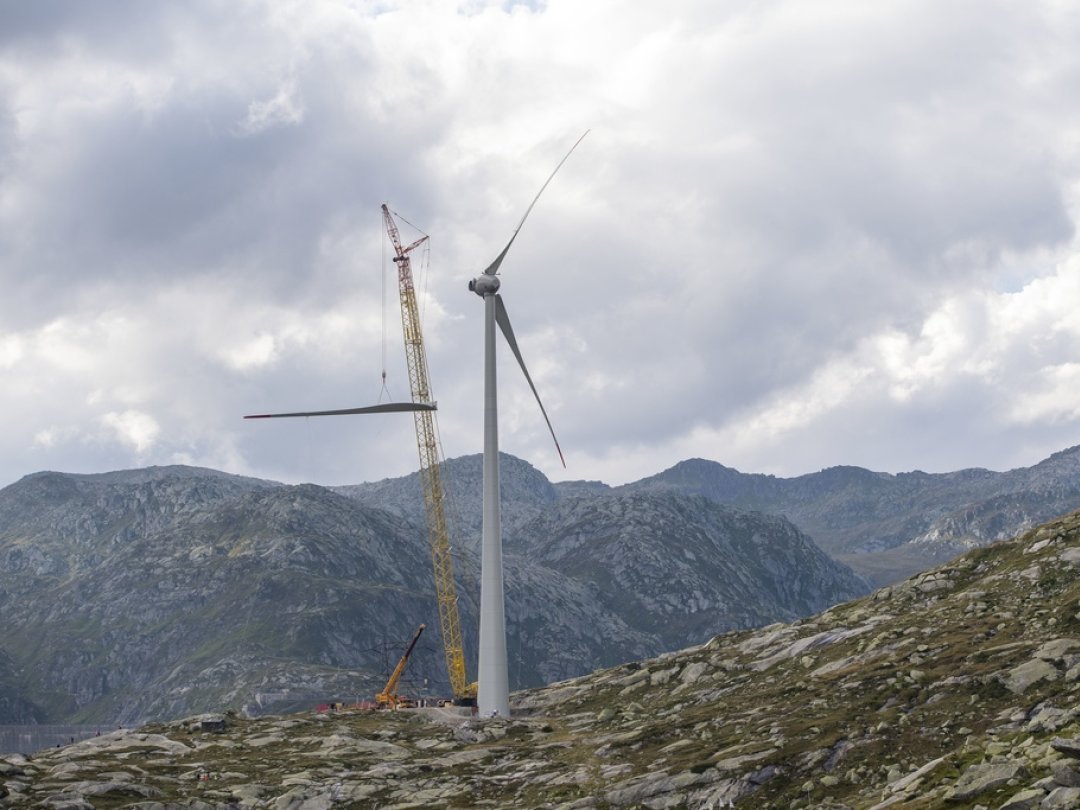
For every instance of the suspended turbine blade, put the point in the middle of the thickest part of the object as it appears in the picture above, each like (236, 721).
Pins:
(493, 268)
(389, 407)
(508, 332)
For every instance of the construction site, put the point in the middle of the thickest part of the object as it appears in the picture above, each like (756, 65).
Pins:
(493, 700)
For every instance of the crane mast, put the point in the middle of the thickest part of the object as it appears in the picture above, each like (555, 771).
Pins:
(427, 442)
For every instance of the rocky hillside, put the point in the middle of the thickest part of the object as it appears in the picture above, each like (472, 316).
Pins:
(139, 595)
(153, 593)
(14, 706)
(525, 493)
(957, 688)
(632, 547)
(887, 526)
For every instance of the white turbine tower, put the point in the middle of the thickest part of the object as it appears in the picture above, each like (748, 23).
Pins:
(493, 695)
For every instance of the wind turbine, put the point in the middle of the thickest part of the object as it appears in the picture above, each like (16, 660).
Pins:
(493, 695)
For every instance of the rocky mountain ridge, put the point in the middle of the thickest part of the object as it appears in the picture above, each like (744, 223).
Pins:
(152, 593)
(525, 493)
(884, 526)
(955, 688)
(231, 579)
(889, 526)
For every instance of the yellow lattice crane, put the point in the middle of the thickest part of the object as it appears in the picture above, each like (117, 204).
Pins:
(389, 696)
(427, 441)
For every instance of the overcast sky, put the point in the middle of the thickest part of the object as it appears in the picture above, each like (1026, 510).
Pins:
(799, 234)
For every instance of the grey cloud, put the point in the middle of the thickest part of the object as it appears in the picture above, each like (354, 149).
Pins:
(182, 189)
(766, 192)
(129, 30)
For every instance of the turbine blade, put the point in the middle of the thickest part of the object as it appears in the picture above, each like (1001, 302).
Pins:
(503, 320)
(493, 268)
(388, 407)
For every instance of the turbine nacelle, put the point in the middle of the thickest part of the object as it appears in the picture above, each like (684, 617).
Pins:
(484, 285)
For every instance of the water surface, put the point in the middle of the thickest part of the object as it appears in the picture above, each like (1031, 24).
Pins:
(28, 739)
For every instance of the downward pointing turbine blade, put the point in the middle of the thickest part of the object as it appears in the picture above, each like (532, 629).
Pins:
(389, 407)
(503, 320)
(493, 268)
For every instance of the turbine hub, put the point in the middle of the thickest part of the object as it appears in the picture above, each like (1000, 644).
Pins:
(484, 285)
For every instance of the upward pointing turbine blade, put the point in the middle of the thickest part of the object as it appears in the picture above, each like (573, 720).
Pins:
(503, 320)
(493, 268)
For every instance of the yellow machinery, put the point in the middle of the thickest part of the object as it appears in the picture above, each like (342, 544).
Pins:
(427, 440)
(388, 696)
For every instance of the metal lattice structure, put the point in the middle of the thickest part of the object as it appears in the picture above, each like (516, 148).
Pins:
(427, 442)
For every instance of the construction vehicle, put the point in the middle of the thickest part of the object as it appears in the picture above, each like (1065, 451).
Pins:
(388, 697)
(427, 442)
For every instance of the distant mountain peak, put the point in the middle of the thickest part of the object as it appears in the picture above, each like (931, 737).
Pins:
(1069, 454)
(150, 474)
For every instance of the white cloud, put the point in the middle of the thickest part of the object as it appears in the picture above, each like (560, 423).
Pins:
(257, 352)
(1054, 398)
(947, 346)
(135, 429)
(284, 108)
(1012, 347)
(11, 350)
(46, 437)
(831, 387)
